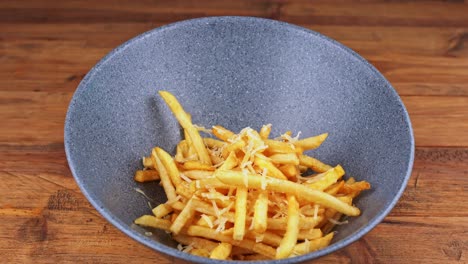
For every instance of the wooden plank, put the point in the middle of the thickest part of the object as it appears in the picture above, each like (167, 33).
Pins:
(30, 61)
(438, 121)
(427, 14)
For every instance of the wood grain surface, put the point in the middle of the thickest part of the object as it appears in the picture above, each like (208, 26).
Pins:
(47, 46)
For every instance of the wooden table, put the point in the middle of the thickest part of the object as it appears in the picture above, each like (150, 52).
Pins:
(46, 47)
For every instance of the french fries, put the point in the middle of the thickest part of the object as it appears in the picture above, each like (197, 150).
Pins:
(246, 196)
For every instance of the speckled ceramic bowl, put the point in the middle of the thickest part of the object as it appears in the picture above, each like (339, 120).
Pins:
(238, 72)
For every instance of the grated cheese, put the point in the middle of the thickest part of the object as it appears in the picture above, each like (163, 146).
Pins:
(148, 234)
(203, 129)
(259, 238)
(221, 224)
(316, 208)
(197, 184)
(335, 222)
(138, 190)
(185, 178)
(207, 220)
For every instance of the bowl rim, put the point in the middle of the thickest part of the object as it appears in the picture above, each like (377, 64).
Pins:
(147, 241)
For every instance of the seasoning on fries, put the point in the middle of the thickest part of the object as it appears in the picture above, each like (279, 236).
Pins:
(246, 196)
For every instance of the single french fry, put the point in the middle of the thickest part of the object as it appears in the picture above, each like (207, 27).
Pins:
(213, 143)
(198, 174)
(184, 190)
(208, 183)
(230, 162)
(201, 252)
(313, 163)
(179, 156)
(151, 221)
(205, 232)
(146, 175)
(263, 163)
(147, 162)
(222, 251)
(165, 179)
(334, 188)
(275, 146)
(309, 234)
(196, 242)
(289, 170)
(170, 166)
(240, 213)
(190, 148)
(196, 165)
(232, 148)
(284, 186)
(290, 237)
(327, 178)
(304, 223)
(355, 188)
(268, 237)
(222, 133)
(162, 210)
(265, 131)
(313, 245)
(261, 212)
(185, 121)
(284, 158)
(311, 142)
(183, 218)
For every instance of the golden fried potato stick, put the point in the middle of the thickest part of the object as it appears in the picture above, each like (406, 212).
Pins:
(185, 121)
(333, 189)
(205, 232)
(289, 170)
(146, 175)
(240, 213)
(313, 163)
(311, 142)
(170, 166)
(263, 163)
(183, 218)
(196, 242)
(232, 148)
(198, 174)
(222, 251)
(148, 162)
(265, 131)
(290, 237)
(309, 234)
(261, 212)
(355, 188)
(190, 148)
(284, 186)
(201, 252)
(162, 210)
(230, 162)
(222, 133)
(268, 237)
(327, 178)
(196, 165)
(284, 158)
(151, 221)
(213, 143)
(313, 245)
(275, 146)
(165, 179)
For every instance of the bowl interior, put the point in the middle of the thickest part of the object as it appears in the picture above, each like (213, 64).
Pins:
(236, 72)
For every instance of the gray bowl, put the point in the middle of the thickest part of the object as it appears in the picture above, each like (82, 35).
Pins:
(237, 72)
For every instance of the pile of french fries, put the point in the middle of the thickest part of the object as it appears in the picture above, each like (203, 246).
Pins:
(245, 196)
